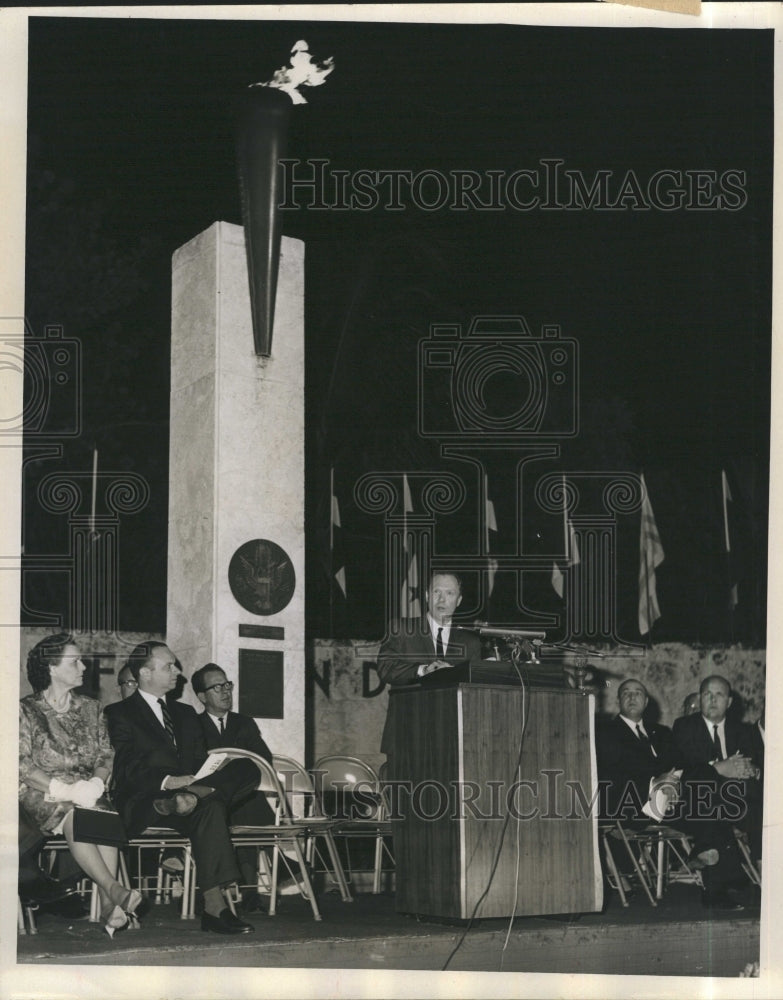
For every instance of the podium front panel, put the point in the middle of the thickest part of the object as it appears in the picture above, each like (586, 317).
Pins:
(496, 802)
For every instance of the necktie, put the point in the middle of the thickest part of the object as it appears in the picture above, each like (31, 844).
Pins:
(716, 741)
(644, 739)
(222, 725)
(439, 644)
(167, 722)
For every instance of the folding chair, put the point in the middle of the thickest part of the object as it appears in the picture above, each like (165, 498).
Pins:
(660, 856)
(341, 776)
(298, 785)
(286, 834)
(615, 879)
(754, 876)
(160, 839)
(52, 847)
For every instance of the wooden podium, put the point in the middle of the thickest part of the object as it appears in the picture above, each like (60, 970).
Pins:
(459, 748)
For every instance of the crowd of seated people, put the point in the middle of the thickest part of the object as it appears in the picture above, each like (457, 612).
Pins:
(140, 757)
(703, 777)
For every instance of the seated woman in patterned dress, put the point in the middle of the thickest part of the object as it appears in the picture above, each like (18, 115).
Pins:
(65, 759)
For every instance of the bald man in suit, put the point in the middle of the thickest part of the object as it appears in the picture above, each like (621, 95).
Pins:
(417, 648)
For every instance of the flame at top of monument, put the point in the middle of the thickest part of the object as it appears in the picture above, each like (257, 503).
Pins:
(302, 72)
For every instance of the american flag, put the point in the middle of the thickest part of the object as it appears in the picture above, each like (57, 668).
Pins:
(650, 557)
(335, 543)
(410, 602)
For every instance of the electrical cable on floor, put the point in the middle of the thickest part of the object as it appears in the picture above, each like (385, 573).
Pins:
(496, 860)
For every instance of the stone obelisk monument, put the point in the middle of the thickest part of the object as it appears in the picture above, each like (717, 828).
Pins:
(236, 482)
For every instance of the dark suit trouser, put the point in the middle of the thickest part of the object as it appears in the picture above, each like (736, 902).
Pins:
(207, 826)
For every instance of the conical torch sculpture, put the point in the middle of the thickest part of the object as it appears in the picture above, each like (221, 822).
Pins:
(262, 138)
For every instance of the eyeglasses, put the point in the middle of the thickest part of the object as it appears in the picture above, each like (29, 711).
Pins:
(130, 683)
(225, 686)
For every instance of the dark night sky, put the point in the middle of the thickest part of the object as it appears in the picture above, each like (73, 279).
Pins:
(131, 154)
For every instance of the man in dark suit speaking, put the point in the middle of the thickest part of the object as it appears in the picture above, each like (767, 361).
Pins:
(159, 748)
(416, 648)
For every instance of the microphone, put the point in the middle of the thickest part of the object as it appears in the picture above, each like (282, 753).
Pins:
(511, 633)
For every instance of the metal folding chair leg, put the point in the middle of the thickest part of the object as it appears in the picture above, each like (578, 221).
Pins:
(747, 862)
(641, 875)
(25, 917)
(612, 865)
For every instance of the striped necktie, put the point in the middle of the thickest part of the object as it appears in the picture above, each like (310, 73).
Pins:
(167, 721)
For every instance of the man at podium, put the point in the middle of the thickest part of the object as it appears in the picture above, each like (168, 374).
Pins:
(415, 648)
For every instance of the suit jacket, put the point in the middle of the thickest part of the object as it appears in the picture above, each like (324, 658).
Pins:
(694, 743)
(144, 754)
(628, 765)
(401, 654)
(241, 731)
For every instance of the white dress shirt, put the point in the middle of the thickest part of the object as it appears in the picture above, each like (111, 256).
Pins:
(152, 701)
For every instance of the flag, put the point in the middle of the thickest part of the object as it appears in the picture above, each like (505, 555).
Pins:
(727, 499)
(410, 603)
(490, 524)
(335, 543)
(571, 548)
(650, 557)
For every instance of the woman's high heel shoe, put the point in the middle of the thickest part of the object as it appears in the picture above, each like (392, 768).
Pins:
(117, 920)
(135, 905)
(131, 902)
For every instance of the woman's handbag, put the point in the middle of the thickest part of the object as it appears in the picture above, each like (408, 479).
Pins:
(99, 825)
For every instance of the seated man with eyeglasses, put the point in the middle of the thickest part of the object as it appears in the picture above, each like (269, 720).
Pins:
(126, 682)
(224, 728)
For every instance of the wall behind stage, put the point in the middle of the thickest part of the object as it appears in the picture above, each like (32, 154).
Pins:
(349, 699)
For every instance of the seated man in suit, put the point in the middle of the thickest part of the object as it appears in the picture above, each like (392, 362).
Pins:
(633, 758)
(416, 648)
(159, 747)
(726, 753)
(224, 728)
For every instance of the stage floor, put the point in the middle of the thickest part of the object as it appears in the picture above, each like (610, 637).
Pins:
(677, 937)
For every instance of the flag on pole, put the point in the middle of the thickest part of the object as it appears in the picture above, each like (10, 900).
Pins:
(336, 543)
(410, 603)
(727, 499)
(650, 558)
(570, 547)
(490, 524)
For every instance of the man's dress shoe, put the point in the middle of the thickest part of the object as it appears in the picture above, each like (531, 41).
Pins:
(226, 923)
(720, 901)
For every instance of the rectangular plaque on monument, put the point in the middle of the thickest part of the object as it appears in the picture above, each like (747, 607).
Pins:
(261, 687)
